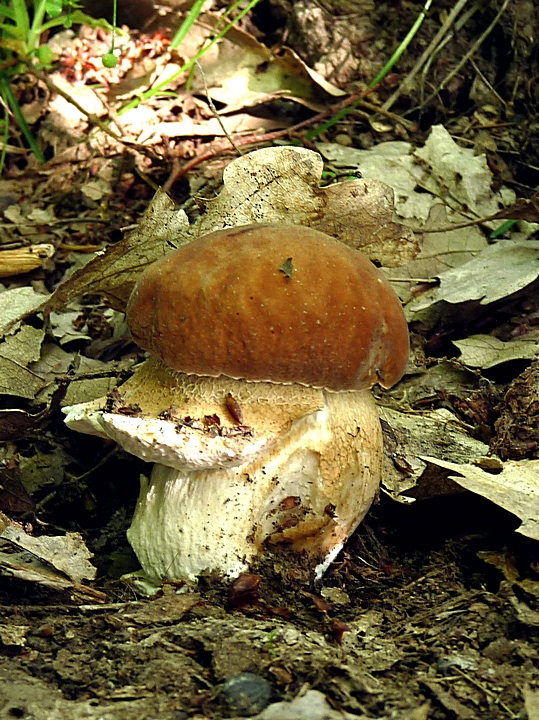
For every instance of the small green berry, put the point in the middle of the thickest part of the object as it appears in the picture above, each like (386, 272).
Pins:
(109, 60)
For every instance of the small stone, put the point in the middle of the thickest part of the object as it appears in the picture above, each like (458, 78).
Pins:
(246, 693)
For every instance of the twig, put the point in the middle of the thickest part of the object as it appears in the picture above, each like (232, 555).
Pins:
(475, 47)
(492, 90)
(92, 119)
(397, 119)
(406, 83)
(486, 690)
(179, 171)
(214, 111)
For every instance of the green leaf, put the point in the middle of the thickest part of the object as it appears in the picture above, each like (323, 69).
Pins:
(45, 55)
(22, 19)
(53, 7)
(13, 31)
(6, 11)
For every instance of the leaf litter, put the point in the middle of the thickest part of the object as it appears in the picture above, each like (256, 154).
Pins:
(439, 409)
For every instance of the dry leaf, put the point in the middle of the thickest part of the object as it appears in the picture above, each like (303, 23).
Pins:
(113, 272)
(531, 701)
(495, 273)
(408, 436)
(279, 185)
(16, 353)
(67, 553)
(243, 72)
(16, 304)
(486, 351)
(360, 214)
(515, 488)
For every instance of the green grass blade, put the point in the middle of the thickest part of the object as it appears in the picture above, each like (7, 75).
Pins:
(504, 227)
(12, 102)
(402, 47)
(378, 79)
(162, 86)
(187, 24)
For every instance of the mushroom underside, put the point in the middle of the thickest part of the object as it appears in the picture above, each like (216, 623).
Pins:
(301, 471)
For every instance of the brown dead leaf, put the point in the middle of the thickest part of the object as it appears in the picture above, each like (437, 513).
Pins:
(360, 213)
(243, 72)
(113, 272)
(515, 488)
(522, 210)
(279, 185)
(167, 609)
(14, 497)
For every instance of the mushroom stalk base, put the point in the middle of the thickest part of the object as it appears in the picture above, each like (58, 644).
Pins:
(309, 490)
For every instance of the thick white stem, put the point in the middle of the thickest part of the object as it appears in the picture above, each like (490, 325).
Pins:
(310, 490)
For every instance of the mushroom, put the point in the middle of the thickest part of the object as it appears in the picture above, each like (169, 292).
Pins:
(254, 403)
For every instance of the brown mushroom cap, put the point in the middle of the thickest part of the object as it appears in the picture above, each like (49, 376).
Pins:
(272, 302)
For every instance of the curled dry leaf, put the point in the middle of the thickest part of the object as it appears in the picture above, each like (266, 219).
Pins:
(279, 185)
(408, 437)
(24, 259)
(66, 553)
(498, 271)
(243, 72)
(112, 273)
(515, 488)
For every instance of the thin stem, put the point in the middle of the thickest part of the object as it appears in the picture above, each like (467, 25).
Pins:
(11, 100)
(162, 86)
(35, 30)
(402, 47)
(4, 144)
(378, 79)
(114, 16)
(475, 47)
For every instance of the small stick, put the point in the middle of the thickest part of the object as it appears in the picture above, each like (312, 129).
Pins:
(475, 47)
(179, 171)
(406, 83)
(214, 111)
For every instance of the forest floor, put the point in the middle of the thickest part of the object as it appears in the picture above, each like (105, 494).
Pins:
(432, 609)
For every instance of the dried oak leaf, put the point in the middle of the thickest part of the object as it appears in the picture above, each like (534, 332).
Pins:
(113, 272)
(278, 185)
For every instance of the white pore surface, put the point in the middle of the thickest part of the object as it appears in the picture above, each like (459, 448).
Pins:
(164, 442)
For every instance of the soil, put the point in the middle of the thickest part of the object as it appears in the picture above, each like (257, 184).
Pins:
(408, 617)
(432, 609)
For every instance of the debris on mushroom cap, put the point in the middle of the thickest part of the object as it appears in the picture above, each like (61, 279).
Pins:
(276, 303)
